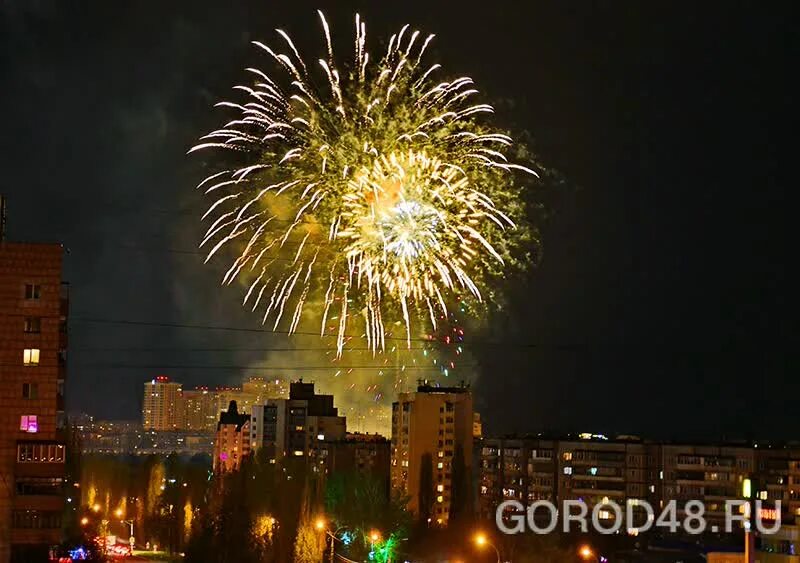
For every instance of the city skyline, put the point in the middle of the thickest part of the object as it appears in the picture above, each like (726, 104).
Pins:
(645, 282)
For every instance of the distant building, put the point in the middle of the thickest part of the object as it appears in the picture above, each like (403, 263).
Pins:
(369, 454)
(477, 425)
(224, 395)
(295, 425)
(596, 469)
(33, 323)
(432, 433)
(161, 407)
(261, 389)
(200, 409)
(232, 440)
(126, 437)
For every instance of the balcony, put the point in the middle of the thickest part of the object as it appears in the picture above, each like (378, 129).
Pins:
(40, 459)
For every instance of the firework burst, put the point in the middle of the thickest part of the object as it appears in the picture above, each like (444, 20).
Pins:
(379, 195)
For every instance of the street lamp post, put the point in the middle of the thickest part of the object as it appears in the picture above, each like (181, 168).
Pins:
(132, 539)
(322, 526)
(481, 540)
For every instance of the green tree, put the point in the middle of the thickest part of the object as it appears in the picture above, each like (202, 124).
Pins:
(460, 497)
(426, 488)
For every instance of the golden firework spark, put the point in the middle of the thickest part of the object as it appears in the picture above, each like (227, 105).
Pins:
(380, 195)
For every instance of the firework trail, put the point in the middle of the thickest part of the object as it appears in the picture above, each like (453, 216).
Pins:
(378, 196)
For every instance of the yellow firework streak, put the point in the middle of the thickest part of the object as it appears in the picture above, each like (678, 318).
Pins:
(380, 196)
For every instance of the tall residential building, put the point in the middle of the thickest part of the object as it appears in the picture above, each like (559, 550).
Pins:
(199, 408)
(33, 343)
(627, 469)
(296, 425)
(232, 441)
(261, 389)
(432, 432)
(368, 454)
(224, 395)
(161, 407)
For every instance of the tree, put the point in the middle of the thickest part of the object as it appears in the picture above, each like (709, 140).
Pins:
(426, 488)
(460, 497)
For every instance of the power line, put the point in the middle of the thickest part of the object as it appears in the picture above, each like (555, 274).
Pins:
(96, 320)
(332, 367)
(228, 349)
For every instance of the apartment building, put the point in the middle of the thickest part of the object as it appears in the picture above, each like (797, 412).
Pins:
(33, 342)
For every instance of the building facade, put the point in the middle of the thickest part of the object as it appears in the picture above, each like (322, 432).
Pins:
(261, 389)
(161, 406)
(33, 344)
(296, 425)
(629, 470)
(432, 434)
(232, 440)
(199, 408)
(368, 454)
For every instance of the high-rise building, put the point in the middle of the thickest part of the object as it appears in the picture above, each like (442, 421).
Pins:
(368, 454)
(232, 441)
(161, 407)
(33, 343)
(295, 426)
(199, 408)
(432, 450)
(224, 395)
(261, 389)
(597, 470)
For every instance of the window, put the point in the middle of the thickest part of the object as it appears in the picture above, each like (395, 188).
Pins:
(30, 356)
(33, 325)
(36, 519)
(33, 291)
(40, 452)
(51, 486)
(29, 423)
(30, 390)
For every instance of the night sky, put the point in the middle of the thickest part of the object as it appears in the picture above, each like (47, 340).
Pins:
(660, 306)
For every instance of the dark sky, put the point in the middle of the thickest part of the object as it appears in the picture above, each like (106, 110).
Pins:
(661, 304)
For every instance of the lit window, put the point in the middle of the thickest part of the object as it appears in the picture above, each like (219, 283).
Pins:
(29, 423)
(33, 325)
(441, 454)
(567, 471)
(33, 291)
(30, 356)
(440, 498)
(439, 465)
(567, 456)
(439, 488)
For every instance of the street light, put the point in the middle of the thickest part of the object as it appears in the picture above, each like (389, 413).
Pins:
(118, 513)
(84, 521)
(96, 507)
(321, 525)
(132, 539)
(481, 540)
(586, 553)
